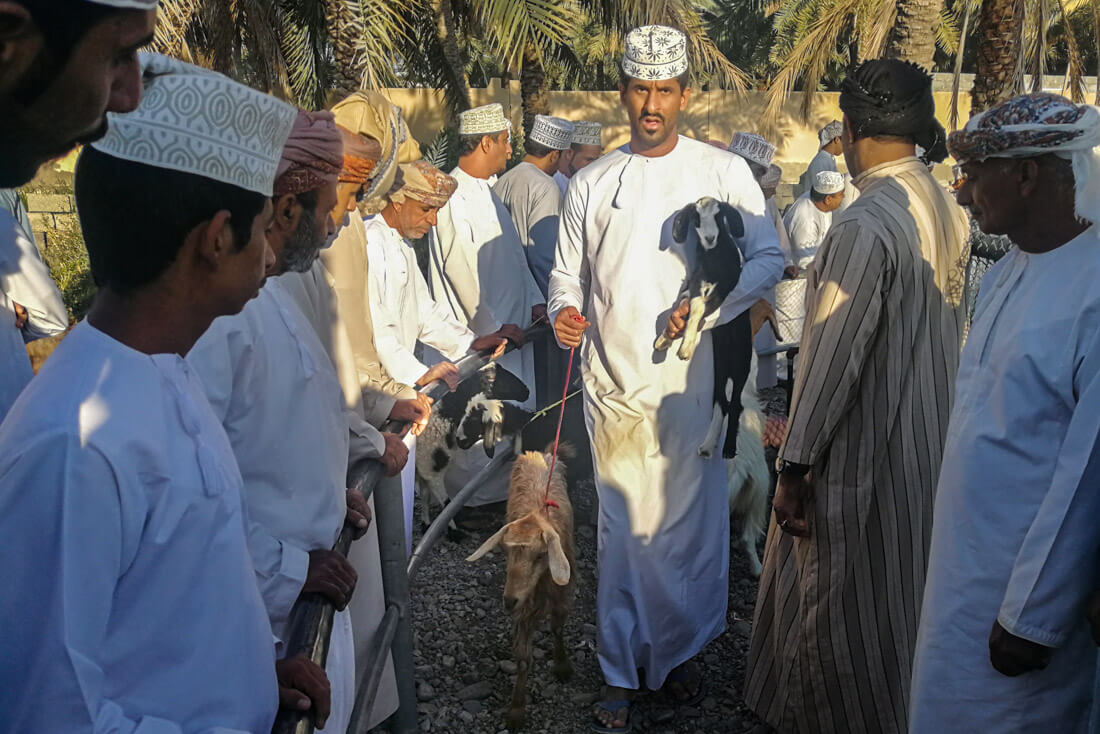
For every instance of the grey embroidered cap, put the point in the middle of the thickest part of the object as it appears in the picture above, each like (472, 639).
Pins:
(553, 132)
(586, 132)
(830, 132)
(483, 120)
(197, 121)
(829, 182)
(655, 52)
(128, 4)
(752, 147)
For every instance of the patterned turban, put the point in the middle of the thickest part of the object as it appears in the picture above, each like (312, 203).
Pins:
(313, 155)
(371, 114)
(424, 182)
(361, 155)
(1038, 124)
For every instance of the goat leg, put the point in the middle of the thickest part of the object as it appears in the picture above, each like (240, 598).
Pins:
(698, 307)
(521, 651)
(563, 669)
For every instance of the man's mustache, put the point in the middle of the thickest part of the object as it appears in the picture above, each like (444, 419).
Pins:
(658, 115)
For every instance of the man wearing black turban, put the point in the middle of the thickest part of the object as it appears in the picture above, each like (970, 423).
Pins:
(844, 568)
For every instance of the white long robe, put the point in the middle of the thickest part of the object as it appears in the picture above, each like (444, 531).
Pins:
(664, 511)
(479, 272)
(403, 310)
(15, 366)
(562, 181)
(275, 390)
(534, 202)
(806, 228)
(478, 269)
(765, 339)
(1014, 535)
(26, 279)
(130, 601)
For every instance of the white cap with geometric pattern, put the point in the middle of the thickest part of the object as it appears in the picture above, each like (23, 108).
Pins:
(752, 147)
(200, 122)
(828, 182)
(655, 52)
(483, 120)
(586, 132)
(553, 132)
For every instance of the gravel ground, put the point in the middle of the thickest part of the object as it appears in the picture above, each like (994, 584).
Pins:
(464, 668)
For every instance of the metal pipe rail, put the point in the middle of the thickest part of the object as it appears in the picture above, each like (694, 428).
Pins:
(309, 627)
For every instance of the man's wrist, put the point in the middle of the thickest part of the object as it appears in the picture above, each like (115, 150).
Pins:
(791, 469)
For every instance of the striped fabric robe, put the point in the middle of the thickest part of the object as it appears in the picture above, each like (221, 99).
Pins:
(836, 616)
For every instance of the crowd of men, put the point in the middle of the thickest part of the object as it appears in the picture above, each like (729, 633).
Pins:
(174, 478)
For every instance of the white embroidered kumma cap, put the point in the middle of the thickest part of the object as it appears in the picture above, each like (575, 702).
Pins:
(197, 121)
(483, 120)
(828, 182)
(752, 147)
(586, 132)
(655, 52)
(553, 132)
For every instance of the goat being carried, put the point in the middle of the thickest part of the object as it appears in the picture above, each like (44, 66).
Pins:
(718, 227)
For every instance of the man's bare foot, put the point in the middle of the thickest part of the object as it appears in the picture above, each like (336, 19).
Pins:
(612, 714)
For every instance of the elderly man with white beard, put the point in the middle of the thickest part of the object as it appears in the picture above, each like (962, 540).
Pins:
(273, 386)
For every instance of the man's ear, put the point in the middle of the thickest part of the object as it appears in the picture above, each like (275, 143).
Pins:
(1028, 173)
(214, 239)
(486, 143)
(288, 212)
(685, 95)
(20, 41)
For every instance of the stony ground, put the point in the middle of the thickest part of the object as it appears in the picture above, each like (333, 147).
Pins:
(463, 647)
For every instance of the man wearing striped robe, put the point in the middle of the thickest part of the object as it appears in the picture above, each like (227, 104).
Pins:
(844, 568)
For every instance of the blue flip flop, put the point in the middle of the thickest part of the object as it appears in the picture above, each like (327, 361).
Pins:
(613, 707)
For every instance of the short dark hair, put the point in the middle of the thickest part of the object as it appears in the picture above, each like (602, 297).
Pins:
(130, 249)
(684, 80)
(538, 150)
(467, 144)
(816, 196)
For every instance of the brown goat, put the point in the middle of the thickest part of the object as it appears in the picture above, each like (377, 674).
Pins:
(538, 542)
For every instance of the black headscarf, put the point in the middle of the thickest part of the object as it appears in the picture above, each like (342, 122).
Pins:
(891, 97)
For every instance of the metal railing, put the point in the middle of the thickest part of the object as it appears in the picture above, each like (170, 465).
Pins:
(310, 625)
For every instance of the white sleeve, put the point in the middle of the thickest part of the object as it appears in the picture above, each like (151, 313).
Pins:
(67, 525)
(224, 359)
(802, 231)
(438, 328)
(1056, 566)
(455, 257)
(25, 278)
(763, 260)
(569, 278)
(396, 358)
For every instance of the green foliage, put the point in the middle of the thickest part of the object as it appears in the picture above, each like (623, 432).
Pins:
(68, 261)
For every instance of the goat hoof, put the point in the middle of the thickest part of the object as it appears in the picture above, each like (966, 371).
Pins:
(515, 719)
(685, 351)
(706, 452)
(563, 671)
(662, 343)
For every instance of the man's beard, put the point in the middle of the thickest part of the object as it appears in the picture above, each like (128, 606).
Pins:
(303, 247)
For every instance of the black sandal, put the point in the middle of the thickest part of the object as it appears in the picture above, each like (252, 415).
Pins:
(681, 678)
(613, 707)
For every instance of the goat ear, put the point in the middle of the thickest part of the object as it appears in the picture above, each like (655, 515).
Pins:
(488, 545)
(685, 218)
(559, 564)
(490, 437)
(507, 386)
(735, 225)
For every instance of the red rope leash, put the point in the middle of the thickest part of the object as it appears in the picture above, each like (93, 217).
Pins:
(557, 435)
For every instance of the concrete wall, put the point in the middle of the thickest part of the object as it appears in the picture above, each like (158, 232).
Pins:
(49, 213)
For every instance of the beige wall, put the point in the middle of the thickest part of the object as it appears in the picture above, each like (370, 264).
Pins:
(716, 114)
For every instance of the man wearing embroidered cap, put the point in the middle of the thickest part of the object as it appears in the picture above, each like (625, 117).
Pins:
(808, 219)
(664, 510)
(478, 269)
(1003, 644)
(273, 385)
(833, 632)
(756, 151)
(125, 539)
(825, 160)
(534, 200)
(65, 65)
(586, 146)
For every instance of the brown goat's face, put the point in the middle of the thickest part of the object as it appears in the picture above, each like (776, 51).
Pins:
(533, 549)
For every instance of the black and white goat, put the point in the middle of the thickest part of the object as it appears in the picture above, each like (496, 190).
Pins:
(446, 434)
(718, 227)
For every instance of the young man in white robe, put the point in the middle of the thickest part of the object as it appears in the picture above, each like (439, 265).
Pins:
(825, 159)
(130, 601)
(404, 312)
(808, 219)
(529, 193)
(664, 510)
(274, 388)
(586, 146)
(63, 68)
(1003, 642)
(478, 269)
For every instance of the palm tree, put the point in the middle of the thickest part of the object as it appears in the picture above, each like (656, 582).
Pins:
(913, 35)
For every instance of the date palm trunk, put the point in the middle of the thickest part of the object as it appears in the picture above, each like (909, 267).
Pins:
(534, 87)
(1000, 37)
(458, 91)
(348, 65)
(913, 37)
